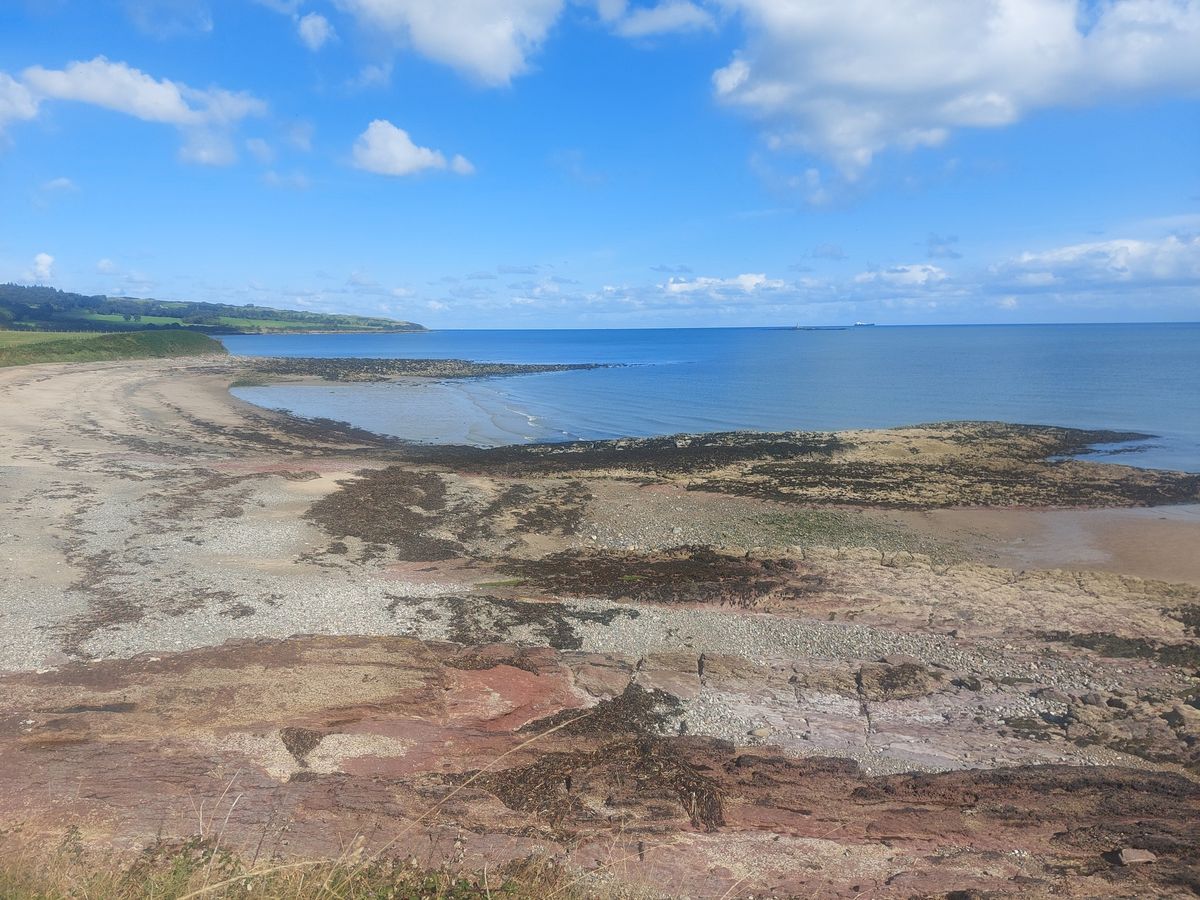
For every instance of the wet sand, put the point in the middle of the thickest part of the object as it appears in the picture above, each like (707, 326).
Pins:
(1160, 542)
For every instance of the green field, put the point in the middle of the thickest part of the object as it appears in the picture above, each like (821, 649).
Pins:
(73, 347)
(48, 309)
(21, 338)
(241, 323)
(144, 320)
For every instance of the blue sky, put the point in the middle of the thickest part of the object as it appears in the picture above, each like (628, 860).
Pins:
(601, 163)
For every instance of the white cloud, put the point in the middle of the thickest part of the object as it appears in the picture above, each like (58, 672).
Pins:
(747, 283)
(106, 267)
(296, 181)
(300, 135)
(315, 31)
(204, 116)
(287, 7)
(1116, 263)
(488, 40)
(43, 268)
(261, 150)
(611, 10)
(372, 75)
(124, 89)
(56, 185)
(205, 147)
(663, 18)
(904, 276)
(849, 78)
(169, 18)
(387, 150)
(17, 102)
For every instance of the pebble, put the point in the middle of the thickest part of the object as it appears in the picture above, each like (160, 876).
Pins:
(1132, 855)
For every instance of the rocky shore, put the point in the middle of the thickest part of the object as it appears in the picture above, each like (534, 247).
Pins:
(265, 369)
(703, 666)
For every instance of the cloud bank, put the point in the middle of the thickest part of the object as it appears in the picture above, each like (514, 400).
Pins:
(847, 79)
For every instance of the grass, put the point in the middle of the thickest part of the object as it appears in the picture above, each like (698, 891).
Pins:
(197, 868)
(145, 320)
(94, 348)
(239, 322)
(298, 325)
(33, 868)
(21, 338)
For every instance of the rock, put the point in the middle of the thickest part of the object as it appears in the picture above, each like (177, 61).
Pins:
(1053, 695)
(1092, 699)
(761, 732)
(884, 682)
(1174, 717)
(1131, 856)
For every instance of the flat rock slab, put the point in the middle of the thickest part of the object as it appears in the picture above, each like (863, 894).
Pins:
(492, 753)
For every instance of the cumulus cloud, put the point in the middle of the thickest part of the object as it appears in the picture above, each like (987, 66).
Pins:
(300, 135)
(746, 283)
(387, 150)
(122, 88)
(904, 275)
(17, 102)
(663, 18)
(488, 40)
(1116, 264)
(59, 185)
(204, 116)
(43, 268)
(296, 181)
(169, 18)
(371, 75)
(315, 31)
(261, 150)
(849, 78)
(125, 281)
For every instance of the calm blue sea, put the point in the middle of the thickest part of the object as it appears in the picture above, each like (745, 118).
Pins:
(1128, 377)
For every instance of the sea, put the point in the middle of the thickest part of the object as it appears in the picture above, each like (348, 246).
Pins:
(1143, 377)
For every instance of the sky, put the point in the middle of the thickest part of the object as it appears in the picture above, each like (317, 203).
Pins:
(610, 163)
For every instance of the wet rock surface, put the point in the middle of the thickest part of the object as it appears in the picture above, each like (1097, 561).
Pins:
(927, 466)
(697, 666)
(682, 575)
(365, 370)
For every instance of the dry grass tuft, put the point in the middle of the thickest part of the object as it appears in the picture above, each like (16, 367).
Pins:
(195, 868)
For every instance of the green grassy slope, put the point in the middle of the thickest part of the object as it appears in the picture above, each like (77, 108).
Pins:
(93, 348)
(21, 338)
(35, 307)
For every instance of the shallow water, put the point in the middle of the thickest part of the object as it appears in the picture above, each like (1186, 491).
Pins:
(1128, 377)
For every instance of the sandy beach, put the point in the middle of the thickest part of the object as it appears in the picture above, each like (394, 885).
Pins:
(892, 663)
